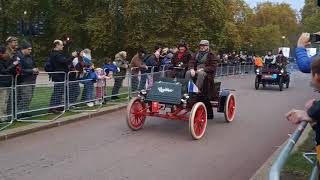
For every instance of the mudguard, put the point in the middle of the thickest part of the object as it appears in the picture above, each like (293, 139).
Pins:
(222, 100)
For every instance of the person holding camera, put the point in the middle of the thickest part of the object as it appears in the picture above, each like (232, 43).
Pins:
(59, 63)
(27, 78)
(303, 60)
(311, 114)
(311, 65)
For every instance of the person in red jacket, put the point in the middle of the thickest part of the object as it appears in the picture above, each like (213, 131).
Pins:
(180, 61)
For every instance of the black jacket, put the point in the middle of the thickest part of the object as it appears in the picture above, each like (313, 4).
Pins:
(61, 63)
(27, 64)
(152, 61)
(187, 56)
(7, 72)
(314, 113)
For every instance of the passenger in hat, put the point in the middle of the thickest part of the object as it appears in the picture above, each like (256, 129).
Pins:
(202, 65)
(180, 60)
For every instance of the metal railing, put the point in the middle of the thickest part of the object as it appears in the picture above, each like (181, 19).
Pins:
(50, 92)
(83, 91)
(234, 69)
(6, 102)
(278, 165)
(118, 87)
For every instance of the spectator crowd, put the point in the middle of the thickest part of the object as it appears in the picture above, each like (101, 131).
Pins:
(78, 70)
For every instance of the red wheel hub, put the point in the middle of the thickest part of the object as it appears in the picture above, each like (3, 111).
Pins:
(200, 120)
(231, 107)
(137, 116)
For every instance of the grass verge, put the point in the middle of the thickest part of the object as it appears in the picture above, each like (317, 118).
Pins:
(297, 167)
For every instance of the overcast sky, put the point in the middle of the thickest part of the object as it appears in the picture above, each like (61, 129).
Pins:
(296, 4)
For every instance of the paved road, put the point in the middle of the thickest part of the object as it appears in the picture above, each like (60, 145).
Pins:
(104, 148)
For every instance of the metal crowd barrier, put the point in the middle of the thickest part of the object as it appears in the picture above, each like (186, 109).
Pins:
(6, 104)
(49, 96)
(146, 78)
(234, 69)
(277, 166)
(117, 88)
(82, 91)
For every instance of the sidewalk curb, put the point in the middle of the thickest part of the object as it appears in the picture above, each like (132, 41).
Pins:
(35, 127)
(263, 171)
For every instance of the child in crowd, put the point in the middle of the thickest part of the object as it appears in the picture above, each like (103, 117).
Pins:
(312, 112)
(89, 77)
(101, 84)
(109, 69)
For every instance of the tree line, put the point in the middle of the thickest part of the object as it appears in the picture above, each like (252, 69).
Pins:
(109, 26)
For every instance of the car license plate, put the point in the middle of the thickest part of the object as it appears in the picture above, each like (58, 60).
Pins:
(267, 76)
(155, 107)
(274, 76)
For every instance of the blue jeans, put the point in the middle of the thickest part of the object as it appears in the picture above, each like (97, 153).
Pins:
(143, 81)
(87, 94)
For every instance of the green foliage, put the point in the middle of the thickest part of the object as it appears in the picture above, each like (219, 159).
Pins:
(267, 38)
(310, 17)
(310, 9)
(109, 26)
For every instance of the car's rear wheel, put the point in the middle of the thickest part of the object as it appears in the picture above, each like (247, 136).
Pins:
(264, 85)
(288, 83)
(230, 108)
(136, 116)
(257, 83)
(281, 84)
(198, 120)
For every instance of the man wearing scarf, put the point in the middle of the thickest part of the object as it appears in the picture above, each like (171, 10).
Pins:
(203, 66)
(181, 60)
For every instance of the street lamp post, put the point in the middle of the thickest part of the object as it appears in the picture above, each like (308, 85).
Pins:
(283, 40)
